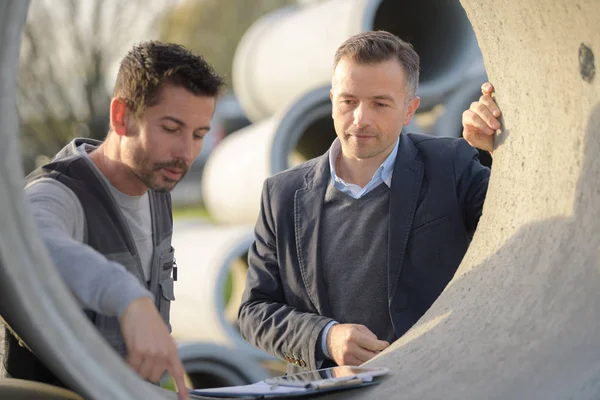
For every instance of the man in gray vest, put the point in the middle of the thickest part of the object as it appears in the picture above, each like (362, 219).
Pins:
(354, 246)
(104, 208)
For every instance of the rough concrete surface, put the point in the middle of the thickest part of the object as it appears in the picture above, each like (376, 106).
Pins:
(520, 319)
(1, 352)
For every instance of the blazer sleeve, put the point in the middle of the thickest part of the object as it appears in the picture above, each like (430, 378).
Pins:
(472, 180)
(265, 319)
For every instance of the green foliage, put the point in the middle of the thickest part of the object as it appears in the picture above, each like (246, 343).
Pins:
(169, 384)
(69, 53)
(213, 28)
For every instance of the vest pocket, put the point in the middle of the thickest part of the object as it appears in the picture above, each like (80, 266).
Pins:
(166, 263)
(167, 295)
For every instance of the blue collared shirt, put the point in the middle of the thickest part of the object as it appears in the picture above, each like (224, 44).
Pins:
(383, 173)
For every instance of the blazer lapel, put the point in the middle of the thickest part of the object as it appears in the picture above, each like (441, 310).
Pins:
(404, 194)
(308, 204)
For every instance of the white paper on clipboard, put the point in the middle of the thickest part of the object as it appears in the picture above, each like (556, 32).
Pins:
(325, 380)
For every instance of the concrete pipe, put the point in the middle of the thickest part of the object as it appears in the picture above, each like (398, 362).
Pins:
(209, 365)
(33, 297)
(233, 175)
(17, 389)
(205, 257)
(247, 157)
(290, 51)
(519, 320)
(449, 124)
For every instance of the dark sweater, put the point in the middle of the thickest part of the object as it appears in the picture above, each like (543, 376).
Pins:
(354, 250)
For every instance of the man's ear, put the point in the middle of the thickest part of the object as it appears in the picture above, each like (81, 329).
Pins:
(118, 116)
(411, 109)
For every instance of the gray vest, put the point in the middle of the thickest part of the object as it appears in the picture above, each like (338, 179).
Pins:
(108, 233)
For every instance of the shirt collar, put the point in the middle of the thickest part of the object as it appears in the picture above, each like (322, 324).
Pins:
(384, 171)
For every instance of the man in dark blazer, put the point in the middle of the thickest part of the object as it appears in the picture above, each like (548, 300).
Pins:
(354, 246)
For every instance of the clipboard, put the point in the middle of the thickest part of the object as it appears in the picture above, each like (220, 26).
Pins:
(303, 384)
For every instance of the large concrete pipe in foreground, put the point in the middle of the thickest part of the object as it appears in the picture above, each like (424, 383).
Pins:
(209, 365)
(290, 51)
(33, 297)
(17, 389)
(520, 319)
(206, 255)
(235, 171)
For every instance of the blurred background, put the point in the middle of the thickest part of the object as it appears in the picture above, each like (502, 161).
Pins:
(276, 57)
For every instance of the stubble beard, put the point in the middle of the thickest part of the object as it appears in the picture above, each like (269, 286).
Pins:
(149, 173)
(364, 151)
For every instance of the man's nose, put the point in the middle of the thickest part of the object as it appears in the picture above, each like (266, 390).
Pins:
(185, 150)
(361, 116)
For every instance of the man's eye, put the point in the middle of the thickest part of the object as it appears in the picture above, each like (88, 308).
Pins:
(169, 129)
(199, 137)
(381, 105)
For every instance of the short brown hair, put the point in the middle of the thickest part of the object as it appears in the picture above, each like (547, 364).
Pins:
(377, 46)
(152, 64)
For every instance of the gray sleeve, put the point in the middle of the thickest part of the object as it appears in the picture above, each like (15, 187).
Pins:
(100, 285)
(265, 318)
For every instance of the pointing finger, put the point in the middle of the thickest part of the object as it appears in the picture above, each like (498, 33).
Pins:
(177, 372)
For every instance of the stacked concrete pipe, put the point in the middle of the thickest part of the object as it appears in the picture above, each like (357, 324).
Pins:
(209, 365)
(520, 319)
(282, 75)
(206, 257)
(289, 52)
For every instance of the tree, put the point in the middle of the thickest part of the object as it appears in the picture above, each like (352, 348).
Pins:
(213, 28)
(69, 58)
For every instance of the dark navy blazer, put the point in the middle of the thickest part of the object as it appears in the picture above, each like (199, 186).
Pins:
(436, 197)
